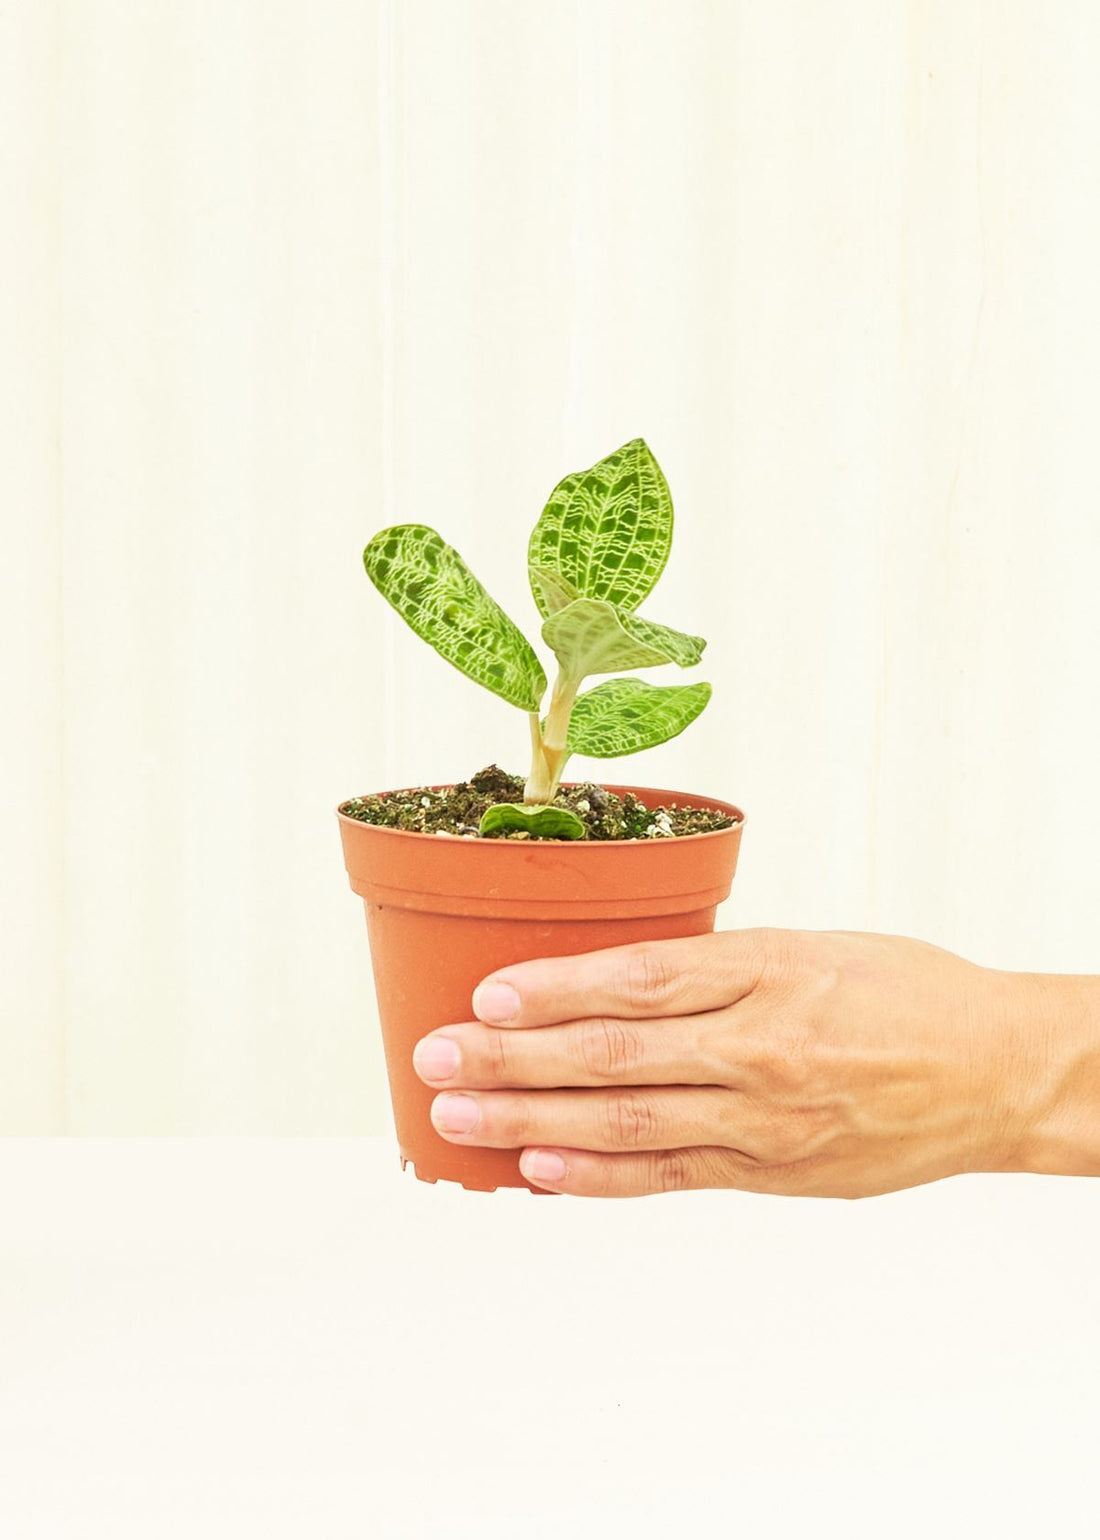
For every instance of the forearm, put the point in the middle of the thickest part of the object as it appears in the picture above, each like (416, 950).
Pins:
(1057, 1091)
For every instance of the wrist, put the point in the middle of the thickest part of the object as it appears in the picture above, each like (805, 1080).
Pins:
(1055, 1092)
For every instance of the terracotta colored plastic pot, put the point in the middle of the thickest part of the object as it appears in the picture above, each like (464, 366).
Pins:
(442, 912)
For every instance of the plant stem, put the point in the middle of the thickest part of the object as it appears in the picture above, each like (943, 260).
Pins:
(548, 753)
(538, 782)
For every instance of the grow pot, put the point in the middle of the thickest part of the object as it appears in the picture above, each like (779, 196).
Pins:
(442, 912)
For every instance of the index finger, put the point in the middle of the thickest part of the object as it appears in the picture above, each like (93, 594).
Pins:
(643, 978)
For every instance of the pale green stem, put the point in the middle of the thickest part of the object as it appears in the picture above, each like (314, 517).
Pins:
(538, 782)
(548, 750)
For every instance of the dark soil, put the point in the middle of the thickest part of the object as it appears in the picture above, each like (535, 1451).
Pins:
(458, 810)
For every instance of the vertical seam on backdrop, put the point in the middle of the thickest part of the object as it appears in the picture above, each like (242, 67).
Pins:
(387, 269)
(955, 537)
(885, 583)
(885, 572)
(62, 1062)
(588, 148)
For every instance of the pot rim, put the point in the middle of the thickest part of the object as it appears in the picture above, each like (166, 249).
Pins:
(522, 845)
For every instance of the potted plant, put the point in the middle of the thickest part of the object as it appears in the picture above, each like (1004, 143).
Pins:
(462, 879)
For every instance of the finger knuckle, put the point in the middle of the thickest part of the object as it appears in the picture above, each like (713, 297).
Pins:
(808, 1177)
(673, 1170)
(498, 1048)
(752, 1173)
(609, 1048)
(810, 965)
(780, 1144)
(510, 1119)
(777, 1128)
(648, 978)
(631, 1122)
(787, 1064)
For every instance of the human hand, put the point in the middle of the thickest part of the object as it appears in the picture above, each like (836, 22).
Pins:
(816, 1063)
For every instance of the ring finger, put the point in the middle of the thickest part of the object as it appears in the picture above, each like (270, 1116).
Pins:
(653, 1119)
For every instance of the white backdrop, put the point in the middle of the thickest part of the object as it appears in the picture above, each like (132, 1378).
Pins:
(288, 270)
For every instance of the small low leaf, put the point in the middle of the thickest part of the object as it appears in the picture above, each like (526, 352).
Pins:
(606, 530)
(624, 716)
(546, 820)
(433, 590)
(591, 636)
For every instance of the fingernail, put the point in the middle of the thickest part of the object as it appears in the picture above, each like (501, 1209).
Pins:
(495, 1002)
(455, 1114)
(542, 1166)
(436, 1058)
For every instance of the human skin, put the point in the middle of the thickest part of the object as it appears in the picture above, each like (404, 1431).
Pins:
(835, 1064)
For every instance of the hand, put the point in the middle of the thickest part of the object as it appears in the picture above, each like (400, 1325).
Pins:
(823, 1063)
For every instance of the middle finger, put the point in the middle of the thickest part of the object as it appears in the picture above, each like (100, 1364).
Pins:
(597, 1051)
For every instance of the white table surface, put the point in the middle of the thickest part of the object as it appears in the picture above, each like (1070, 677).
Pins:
(293, 1338)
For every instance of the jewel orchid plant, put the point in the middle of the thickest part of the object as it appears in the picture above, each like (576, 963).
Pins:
(599, 547)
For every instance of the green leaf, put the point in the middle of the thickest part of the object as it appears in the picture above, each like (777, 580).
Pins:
(607, 531)
(677, 646)
(624, 716)
(591, 636)
(545, 820)
(557, 592)
(433, 590)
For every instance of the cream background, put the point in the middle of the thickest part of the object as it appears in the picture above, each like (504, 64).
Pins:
(265, 1339)
(278, 273)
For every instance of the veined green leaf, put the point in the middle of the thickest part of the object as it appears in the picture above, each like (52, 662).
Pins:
(550, 822)
(591, 636)
(606, 530)
(624, 716)
(433, 590)
(678, 646)
(557, 591)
